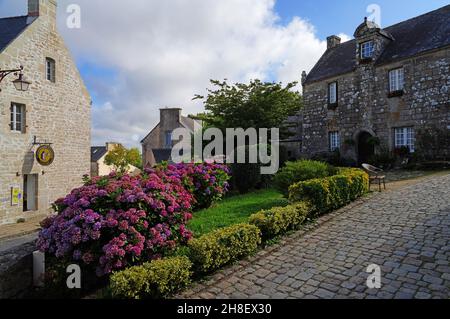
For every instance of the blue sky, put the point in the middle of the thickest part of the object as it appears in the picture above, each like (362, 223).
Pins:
(140, 55)
(332, 16)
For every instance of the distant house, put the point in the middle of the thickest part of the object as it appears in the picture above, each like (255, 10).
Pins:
(379, 90)
(45, 131)
(98, 165)
(157, 145)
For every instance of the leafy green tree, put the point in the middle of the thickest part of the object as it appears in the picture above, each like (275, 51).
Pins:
(120, 158)
(254, 105)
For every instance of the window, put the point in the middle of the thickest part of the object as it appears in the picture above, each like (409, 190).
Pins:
(335, 141)
(396, 80)
(405, 137)
(168, 139)
(17, 117)
(367, 49)
(332, 93)
(50, 69)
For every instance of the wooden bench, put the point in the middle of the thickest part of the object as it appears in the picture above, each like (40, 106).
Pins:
(375, 175)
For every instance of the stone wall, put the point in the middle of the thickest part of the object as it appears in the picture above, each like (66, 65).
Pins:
(16, 270)
(55, 112)
(364, 105)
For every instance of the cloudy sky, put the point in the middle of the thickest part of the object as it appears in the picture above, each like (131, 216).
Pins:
(137, 56)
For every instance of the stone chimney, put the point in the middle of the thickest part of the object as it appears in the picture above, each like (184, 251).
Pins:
(110, 146)
(333, 41)
(304, 76)
(45, 9)
(169, 116)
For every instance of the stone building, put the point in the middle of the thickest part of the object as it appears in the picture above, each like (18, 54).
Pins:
(56, 109)
(157, 145)
(379, 90)
(98, 165)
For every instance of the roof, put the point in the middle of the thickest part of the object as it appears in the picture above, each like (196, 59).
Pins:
(97, 152)
(162, 155)
(411, 37)
(11, 28)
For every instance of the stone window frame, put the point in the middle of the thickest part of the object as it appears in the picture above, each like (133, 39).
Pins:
(405, 136)
(362, 50)
(334, 141)
(394, 91)
(333, 105)
(50, 69)
(13, 117)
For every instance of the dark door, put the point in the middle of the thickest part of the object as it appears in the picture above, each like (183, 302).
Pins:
(365, 149)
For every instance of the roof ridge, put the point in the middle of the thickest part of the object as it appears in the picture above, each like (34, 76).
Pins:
(16, 17)
(416, 17)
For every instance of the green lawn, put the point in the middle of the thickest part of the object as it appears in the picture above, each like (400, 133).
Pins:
(234, 210)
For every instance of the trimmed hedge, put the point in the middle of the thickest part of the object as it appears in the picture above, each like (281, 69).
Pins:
(220, 247)
(279, 220)
(299, 171)
(156, 279)
(330, 193)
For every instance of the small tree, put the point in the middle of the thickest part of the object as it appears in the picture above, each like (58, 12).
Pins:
(121, 158)
(254, 105)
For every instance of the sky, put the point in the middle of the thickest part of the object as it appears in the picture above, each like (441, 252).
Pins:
(138, 56)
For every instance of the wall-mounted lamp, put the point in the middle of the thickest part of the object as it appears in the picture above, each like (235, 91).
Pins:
(20, 83)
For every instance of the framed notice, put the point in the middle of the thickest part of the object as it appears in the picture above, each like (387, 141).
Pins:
(16, 196)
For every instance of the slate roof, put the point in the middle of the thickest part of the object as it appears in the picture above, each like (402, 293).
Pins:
(162, 155)
(411, 37)
(97, 153)
(11, 28)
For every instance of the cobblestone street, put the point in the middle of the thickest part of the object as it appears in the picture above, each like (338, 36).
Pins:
(405, 231)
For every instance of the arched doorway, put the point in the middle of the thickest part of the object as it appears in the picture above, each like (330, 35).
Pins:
(366, 149)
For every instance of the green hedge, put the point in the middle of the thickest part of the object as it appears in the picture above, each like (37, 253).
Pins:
(279, 220)
(220, 247)
(330, 193)
(299, 171)
(156, 279)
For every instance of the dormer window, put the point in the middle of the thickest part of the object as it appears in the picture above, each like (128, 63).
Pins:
(367, 49)
(332, 94)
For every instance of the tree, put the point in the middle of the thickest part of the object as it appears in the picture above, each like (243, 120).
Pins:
(254, 105)
(120, 158)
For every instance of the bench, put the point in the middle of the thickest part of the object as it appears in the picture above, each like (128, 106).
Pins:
(375, 175)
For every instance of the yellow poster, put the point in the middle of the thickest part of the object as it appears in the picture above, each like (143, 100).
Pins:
(16, 196)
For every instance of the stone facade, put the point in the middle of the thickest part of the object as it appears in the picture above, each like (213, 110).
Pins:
(58, 113)
(365, 106)
(157, 145)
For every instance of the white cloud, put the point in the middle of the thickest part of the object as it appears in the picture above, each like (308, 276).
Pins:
(164, 52)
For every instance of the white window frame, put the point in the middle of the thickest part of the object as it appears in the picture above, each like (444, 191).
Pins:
(367, 49)
(50, 69)
(334, 141)
(405, 136)
(332, 93)
(396, 80)
(17, 117)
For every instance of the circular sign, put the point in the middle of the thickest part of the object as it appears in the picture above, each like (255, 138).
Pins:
(45, 155)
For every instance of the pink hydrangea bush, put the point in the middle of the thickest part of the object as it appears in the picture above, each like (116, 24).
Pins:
(118, 221)
(208, 182)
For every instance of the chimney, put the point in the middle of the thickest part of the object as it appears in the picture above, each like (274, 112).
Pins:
(45, 9)
(333, 41)
(170, 115)
(304, 76)
(110, 146)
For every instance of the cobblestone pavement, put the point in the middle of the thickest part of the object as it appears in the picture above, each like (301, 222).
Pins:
(406, 232)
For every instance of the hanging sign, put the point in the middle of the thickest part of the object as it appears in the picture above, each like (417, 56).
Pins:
(45, 155)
